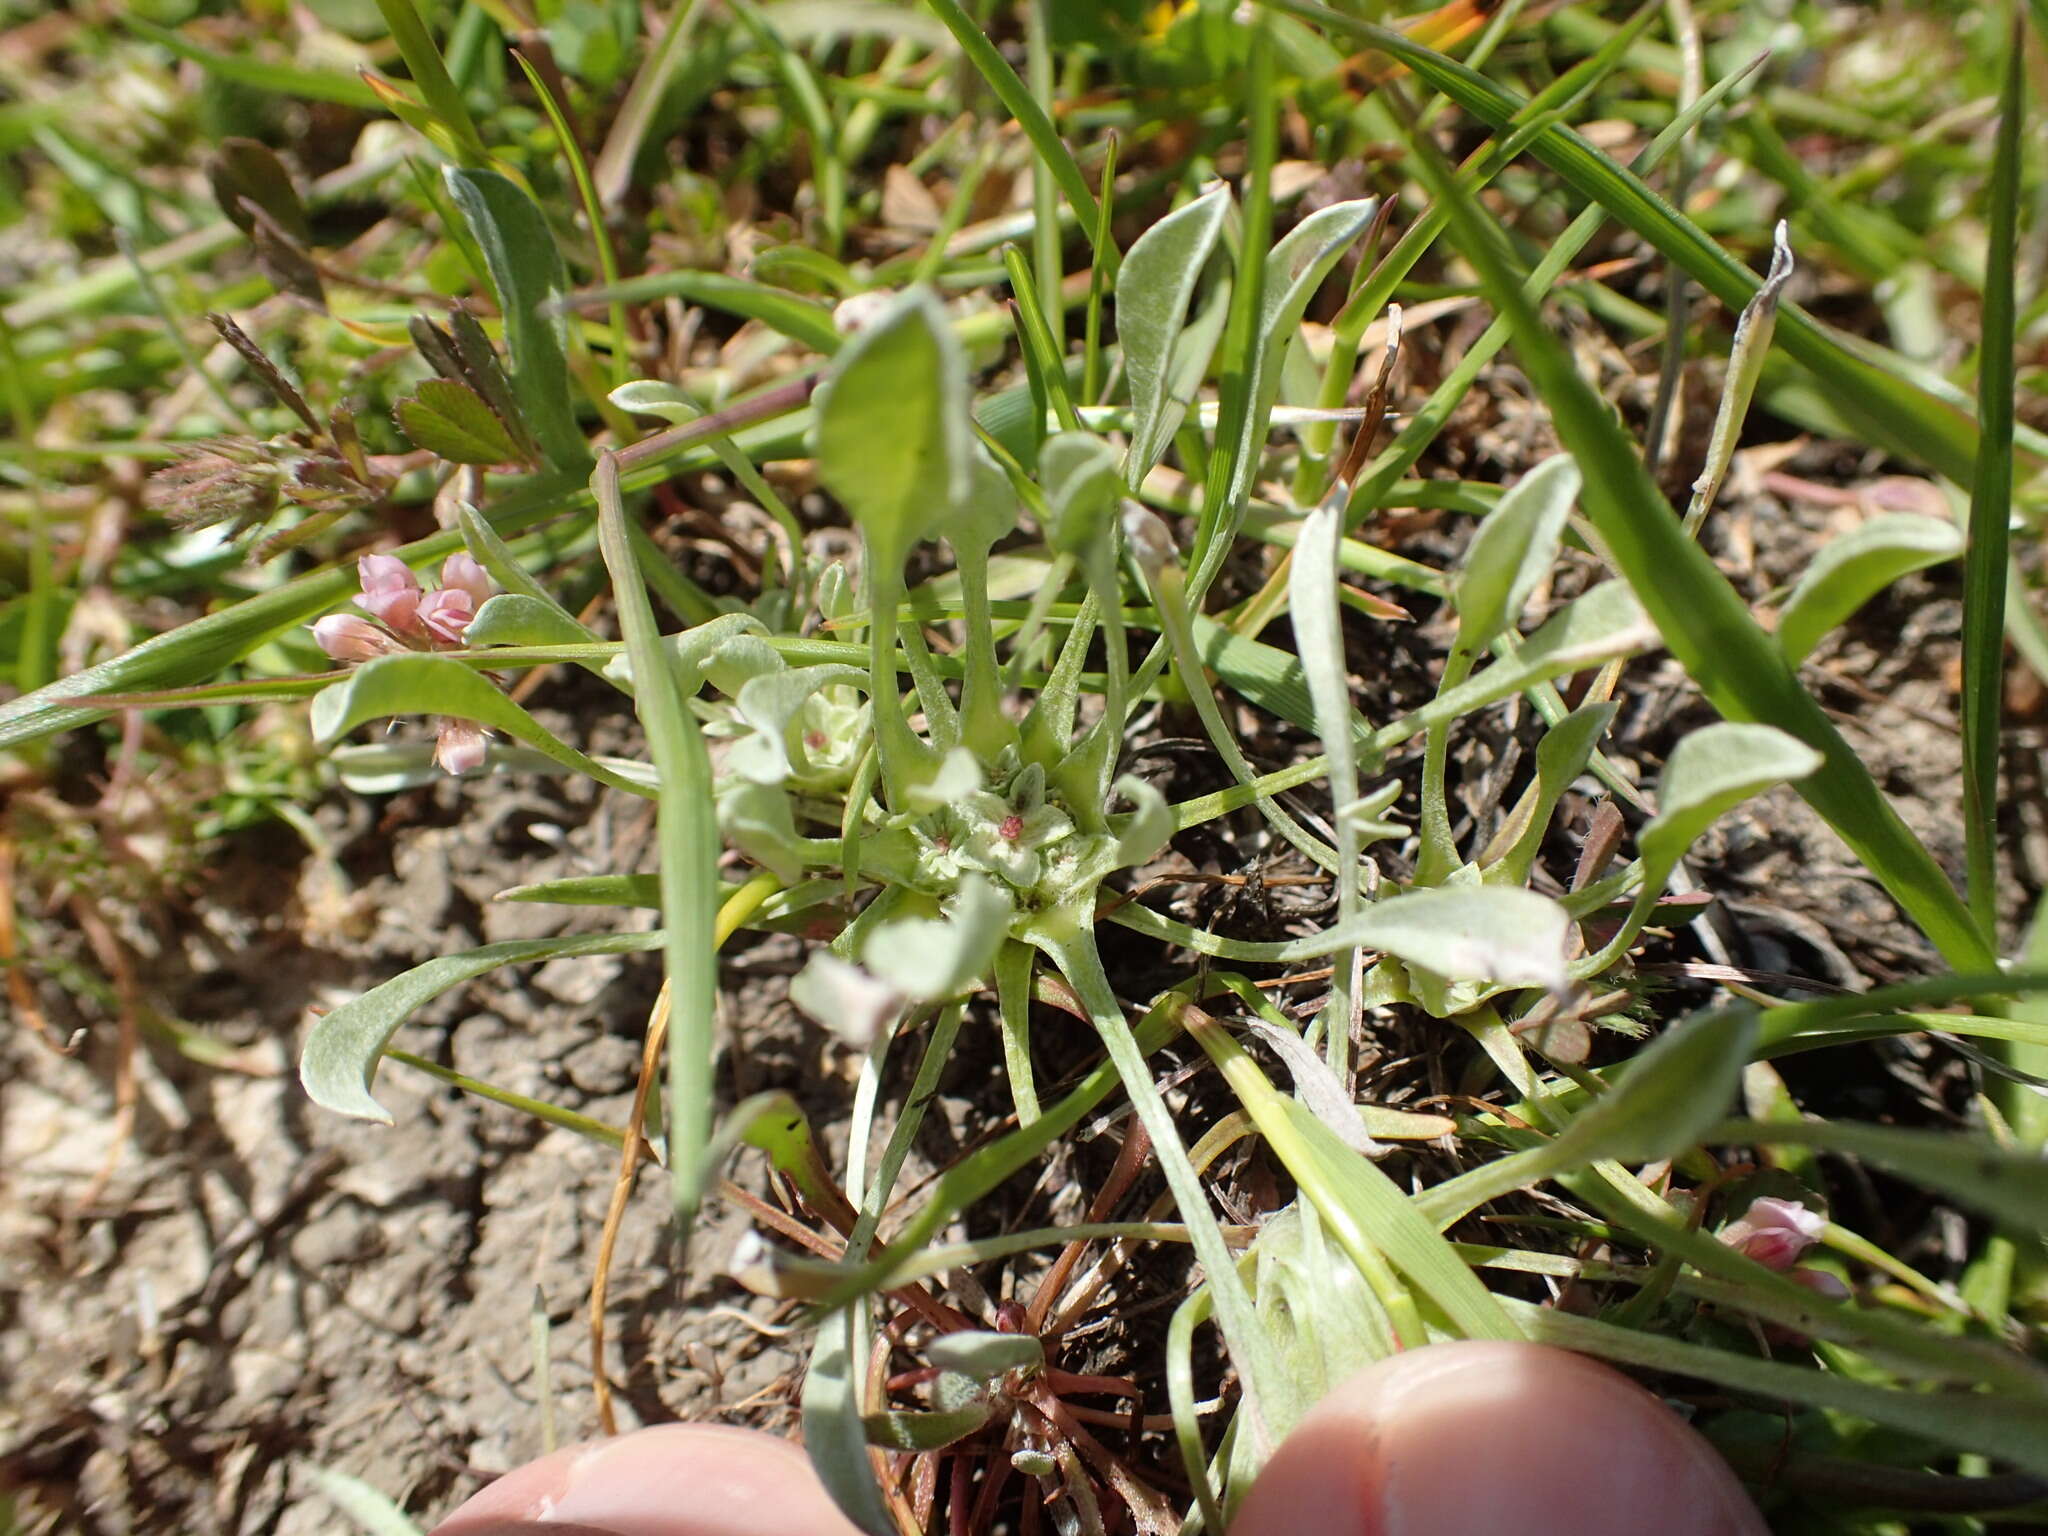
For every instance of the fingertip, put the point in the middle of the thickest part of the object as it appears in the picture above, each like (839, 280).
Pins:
(1486, 1436)
(670, 1480)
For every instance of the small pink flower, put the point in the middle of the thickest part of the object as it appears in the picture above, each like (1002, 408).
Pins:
(445, 614)
(460, 746)
(348, 638)
(390, 592)
(1774, 1232)
(461, 573)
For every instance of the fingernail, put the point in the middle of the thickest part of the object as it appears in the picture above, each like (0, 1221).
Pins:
(1482, 1437)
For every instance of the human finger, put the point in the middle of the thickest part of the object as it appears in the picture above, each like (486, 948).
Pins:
(1479, 1437)
(669, 1480)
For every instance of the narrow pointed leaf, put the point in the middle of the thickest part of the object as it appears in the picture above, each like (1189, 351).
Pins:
(986, 1356)
(835, 1430)
(1671, 1094)
(686, 836)
(1294, 271)
(1561, 757)
(339, 1059)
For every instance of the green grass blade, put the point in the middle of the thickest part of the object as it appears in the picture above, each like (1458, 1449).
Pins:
(1098, 280)
(1703, 620)
(261, 74)
(828, 170)
(1017, 99)
(593, 211)
(419, 683)
(1244, 337)
(687, 835)
(613, 172)
(2011, 1428)
(1896, 414)
(430, 75)
(796, 317)
(197, 652)
(1986, 558)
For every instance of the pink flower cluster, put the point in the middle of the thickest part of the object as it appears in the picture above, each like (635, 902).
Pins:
(1777, 1233)
(407, 617)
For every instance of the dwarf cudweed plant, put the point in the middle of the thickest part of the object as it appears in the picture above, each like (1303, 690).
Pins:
(917, 760)
(953, 817)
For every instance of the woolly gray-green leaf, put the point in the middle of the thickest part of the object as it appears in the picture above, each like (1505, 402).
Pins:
(513, 618)
(901, 1431)
(1605, 623)
(1472, 933)
(339, 1059)
(656, 397)
(1295, 268)
(758, 820)
(835, 1433)
(424, 684)
(1144, 832)
(893, 439)
(1713, 770)
(1851, 570)
(769, 701)
(985, 1355)
(1671, 1095)
(844, 998)
(933, 958)
(1153, 287)
(691, 651)
(1512, 550)
(1077, 471)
